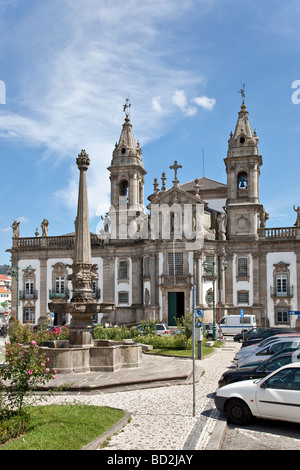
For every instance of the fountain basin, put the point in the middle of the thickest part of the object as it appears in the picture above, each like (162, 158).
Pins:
(103, 355)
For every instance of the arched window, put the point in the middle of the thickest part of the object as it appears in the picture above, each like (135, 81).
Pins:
(242, 180)
(124, 189)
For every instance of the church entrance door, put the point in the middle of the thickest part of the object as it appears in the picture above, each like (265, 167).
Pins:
(175, 307)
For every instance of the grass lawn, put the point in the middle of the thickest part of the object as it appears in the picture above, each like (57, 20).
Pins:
(184, 352)
(65, 427)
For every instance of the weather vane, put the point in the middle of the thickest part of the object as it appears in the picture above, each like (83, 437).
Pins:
(242, 90)
(126, 107)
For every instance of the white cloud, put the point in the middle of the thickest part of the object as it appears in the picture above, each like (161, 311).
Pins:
(19, 219)
(22, 219)
(205, 102)
(180, 100)
(157, 105)
(95, 57)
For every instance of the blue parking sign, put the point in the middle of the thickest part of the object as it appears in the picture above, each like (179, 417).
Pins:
(242, 312)
(199, 313)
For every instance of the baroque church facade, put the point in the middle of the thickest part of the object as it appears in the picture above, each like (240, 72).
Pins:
(200, 243)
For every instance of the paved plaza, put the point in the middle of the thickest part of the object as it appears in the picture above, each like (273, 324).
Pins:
(162, 416)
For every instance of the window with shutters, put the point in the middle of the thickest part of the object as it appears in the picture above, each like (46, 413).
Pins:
(123, 297)
(281, 285)
(175, 262)
(243, 297)
(282, 315)
(242, 267)
(123, 270)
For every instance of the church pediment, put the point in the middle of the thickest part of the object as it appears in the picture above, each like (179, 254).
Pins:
(175, 195)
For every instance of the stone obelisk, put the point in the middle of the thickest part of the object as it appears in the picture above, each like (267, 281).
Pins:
(82, 303)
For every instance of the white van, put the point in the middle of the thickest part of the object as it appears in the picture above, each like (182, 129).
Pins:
(233, 324)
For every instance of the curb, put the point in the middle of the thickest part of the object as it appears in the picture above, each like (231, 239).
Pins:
(96, 443)
(218, 435)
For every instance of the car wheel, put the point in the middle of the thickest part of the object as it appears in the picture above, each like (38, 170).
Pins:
(240, 340)
(238, 412)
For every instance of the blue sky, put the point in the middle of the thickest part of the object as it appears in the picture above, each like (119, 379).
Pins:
(69, 65)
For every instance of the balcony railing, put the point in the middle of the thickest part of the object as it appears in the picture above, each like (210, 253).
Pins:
(28, 295)
(53, 294)
(288, 292)
(278, 233)
(63, 241)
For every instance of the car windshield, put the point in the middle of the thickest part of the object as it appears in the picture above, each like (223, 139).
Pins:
(273, 365)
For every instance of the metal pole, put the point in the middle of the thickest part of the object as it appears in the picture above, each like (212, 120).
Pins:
(214, 305)
(193, 351)
(18, 294)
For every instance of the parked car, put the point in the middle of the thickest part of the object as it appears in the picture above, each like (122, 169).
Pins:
(243, 352)
(233, 324)
(264, 353)
(209, 332)
(267, 334)
(258, 371)
(276, 396)
(161, 329)
(251, 334)
(275, 355)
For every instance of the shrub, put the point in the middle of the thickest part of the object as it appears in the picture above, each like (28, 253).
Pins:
(25, 369)
(186, 324)
(166, 341)
(114, 334)
(45, 334)
(19, 333)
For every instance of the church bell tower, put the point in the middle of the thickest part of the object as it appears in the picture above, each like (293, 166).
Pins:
(126, 179)
(243, 170)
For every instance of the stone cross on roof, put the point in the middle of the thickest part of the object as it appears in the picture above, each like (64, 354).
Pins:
(175, 167)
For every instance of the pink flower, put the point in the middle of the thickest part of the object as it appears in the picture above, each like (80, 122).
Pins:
(47, 370)
(33, 343)
(30, 372)
(47, 359)
(53, 377)
(42, 364)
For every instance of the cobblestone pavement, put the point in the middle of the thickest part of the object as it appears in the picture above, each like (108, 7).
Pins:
(263, 435)
(162, 417)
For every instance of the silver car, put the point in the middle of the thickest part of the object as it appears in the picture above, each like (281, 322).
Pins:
(266, 352)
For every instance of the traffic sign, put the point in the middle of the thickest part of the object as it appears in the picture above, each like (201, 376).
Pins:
(199, 313)
(242, 312)
(199, 323)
